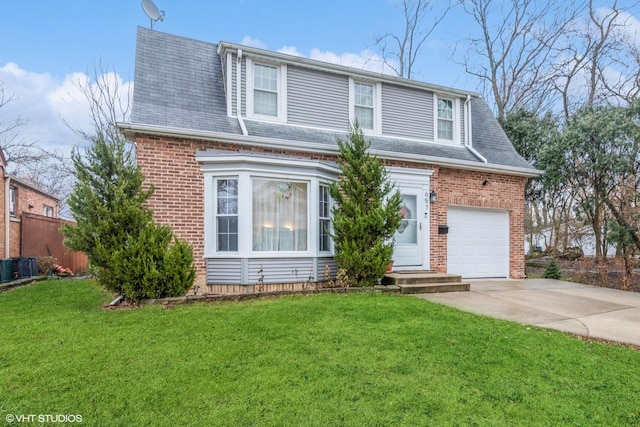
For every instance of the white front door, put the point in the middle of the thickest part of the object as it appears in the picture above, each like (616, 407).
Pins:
(410, 238)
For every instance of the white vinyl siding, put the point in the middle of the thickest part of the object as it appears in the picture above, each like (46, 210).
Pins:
(317, 99)
(407, 112)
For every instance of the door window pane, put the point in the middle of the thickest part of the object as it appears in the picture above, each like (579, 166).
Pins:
(408, 231)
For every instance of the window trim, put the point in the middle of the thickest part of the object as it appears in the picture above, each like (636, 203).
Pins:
(455, 117)
(377, 104)
(281, 92)
(44, 210)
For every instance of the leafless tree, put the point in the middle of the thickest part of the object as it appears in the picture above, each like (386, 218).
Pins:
(108, 101)
(594, 65)
(27, 160)
(421, 18)
(516, 45)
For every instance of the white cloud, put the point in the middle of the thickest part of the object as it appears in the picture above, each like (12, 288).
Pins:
(250, 41)
(290, 50)
(365, 60)
(47, 104)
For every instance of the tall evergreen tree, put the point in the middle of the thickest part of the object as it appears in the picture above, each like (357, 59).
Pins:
(366, 214)
(127, 252)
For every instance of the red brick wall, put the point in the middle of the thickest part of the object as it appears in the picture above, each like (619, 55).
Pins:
(178, 201)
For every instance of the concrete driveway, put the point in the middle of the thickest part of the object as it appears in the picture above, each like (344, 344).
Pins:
(571, 307)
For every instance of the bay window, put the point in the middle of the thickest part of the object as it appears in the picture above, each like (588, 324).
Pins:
(259, 207)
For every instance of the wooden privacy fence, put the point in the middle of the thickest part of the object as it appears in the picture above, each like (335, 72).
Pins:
(41, 236)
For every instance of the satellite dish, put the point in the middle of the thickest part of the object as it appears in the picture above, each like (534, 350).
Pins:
(152, 11)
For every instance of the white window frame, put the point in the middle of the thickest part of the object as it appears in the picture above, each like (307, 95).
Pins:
(246, 168)
(13, 200)
(328, 217)
(281, 94)
(216, 215)
(377, 104)
(455, 105)
(47, 211)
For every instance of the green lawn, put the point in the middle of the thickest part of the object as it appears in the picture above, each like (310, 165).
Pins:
(360, 359)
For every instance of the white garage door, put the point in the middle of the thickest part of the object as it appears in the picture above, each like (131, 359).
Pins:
(478, 242)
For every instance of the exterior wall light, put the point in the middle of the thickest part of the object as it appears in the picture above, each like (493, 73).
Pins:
(433, 197)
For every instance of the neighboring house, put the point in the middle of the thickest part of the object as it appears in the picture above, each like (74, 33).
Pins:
(18, 197)
(240, 144)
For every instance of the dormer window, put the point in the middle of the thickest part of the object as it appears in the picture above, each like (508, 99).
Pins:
(265, 91)
(445, 119)
(365, 105)
(447, 129)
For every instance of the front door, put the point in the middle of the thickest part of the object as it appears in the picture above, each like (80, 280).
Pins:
(409, 249)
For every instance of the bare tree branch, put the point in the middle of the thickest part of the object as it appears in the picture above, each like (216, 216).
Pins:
(404, 48)
(517, 45)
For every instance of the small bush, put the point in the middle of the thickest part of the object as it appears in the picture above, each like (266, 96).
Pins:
(152, 266)
(552, 271)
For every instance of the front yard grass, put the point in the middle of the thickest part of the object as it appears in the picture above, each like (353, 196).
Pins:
(361, 359)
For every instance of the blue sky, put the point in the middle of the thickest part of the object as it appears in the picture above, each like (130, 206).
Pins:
(45, 45)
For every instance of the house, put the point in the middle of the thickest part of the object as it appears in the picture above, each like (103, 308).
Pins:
(18, 198)
(240, 144)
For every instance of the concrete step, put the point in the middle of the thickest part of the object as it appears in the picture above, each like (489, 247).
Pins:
(428, 288)
(419, 277)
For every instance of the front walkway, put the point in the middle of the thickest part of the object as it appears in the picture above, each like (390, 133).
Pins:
(571, 307)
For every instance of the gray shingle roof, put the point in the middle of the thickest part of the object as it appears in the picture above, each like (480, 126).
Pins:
(179, 84)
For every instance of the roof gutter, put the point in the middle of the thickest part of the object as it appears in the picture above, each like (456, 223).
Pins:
(131, 129)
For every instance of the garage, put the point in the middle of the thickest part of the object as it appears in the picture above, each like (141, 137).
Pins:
(478, 242)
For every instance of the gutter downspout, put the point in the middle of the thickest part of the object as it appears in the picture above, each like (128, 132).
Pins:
(7, 215)
(467, 130)
(239, 93)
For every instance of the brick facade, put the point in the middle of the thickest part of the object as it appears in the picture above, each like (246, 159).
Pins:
(169, 164)
(28, 200)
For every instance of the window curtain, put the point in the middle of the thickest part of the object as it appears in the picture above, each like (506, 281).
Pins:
(279, 215)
